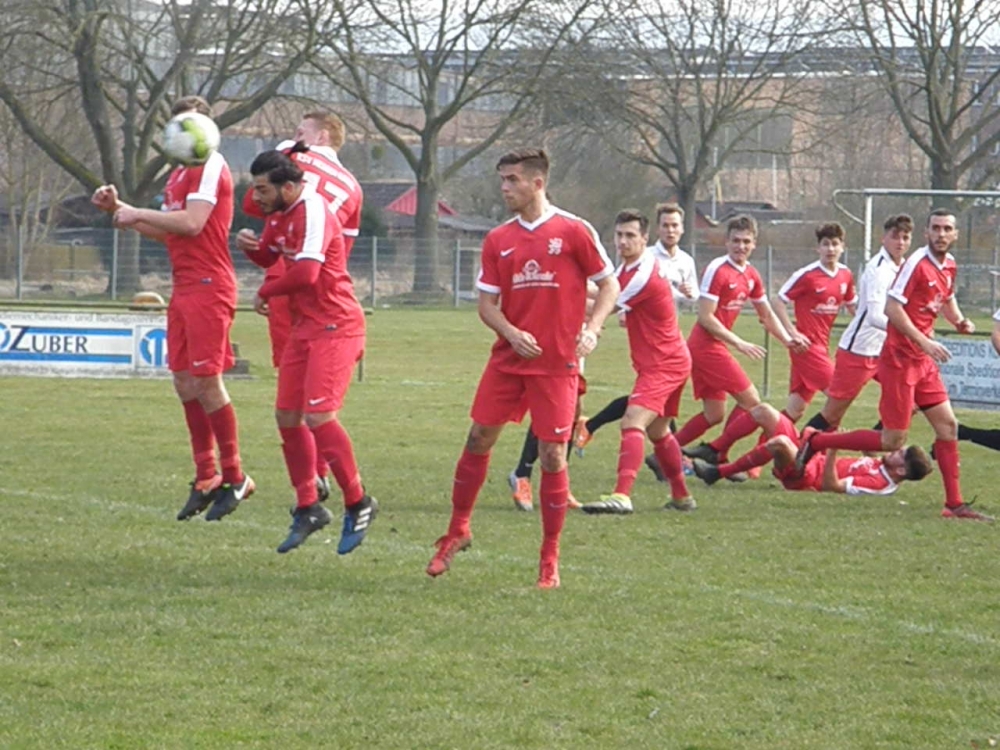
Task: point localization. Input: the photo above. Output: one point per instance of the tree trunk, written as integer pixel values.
(425, 265)
(686, 197)
(943, 177)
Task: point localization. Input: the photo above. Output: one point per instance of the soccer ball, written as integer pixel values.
(190, 138)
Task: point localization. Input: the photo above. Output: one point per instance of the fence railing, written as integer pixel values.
(106, 264)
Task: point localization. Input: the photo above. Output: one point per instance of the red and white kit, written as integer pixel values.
(863, 476)
(817, 294)
(660, 355)
(714, 370)
(908, 376)
(324, 173)
(203, 301)
(540, 271)
(328, 324)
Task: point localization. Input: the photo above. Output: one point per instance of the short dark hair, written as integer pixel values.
(534, 159)
(668, 208)
(632, 214)
(940, 212)
(829, 231)
(918, 464)
(899, 223)
(741, 223)
(192, 103)
(278, 166)
(332, 124)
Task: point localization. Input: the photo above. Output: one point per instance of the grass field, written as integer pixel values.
(765, 619)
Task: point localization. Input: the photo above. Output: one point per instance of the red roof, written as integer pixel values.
(406, 204)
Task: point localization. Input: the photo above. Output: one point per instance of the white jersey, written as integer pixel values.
(866, 332)
(679, 268)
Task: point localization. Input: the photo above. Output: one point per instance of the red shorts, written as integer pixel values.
(505, 397)
(714, 373)
(811, 478)
(811, 372)
(659, 391)
(279, 326)
(581, 387)
(851, 374)
(918, 383)
(314, 374)
(198, 333)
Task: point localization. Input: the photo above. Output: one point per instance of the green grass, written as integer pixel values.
(766, 619)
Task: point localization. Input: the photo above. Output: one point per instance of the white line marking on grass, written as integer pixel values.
(422, 383)
(860, 614)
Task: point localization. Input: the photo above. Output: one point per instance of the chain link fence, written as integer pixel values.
(96, 265)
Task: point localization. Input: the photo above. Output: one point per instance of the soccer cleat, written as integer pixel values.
(615, 504)
(520, 488)
(654, 466)
(304, 522)
(705, 471)
(203, 494)
(230, 496)
(704, 451)
(806, 451)
(966, 512)
(683, 504)
(548, 574)
(357, 519)
(572, 503)
(583, 436)
(739, 476)
(448, 547)
(322, 488)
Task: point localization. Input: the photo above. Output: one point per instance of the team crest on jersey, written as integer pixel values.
(533, 275)
(843, 289)
(555, 246)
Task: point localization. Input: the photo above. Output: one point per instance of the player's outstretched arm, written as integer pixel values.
(187, 222)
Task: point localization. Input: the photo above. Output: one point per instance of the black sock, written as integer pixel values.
(529, 454)
(610, 413)
(878, 425)
(985, 438)
(819, 422)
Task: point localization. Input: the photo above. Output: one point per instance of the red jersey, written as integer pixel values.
(307, 230)
(922, 286)
(540, 271)
(863, 476)
(730, 287)
(202, 261)
(654, 338)
(335, 184)
(818, 295)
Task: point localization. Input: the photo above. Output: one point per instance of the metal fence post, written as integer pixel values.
(768, 269)
(993, 278)
(458, 270)
(19, 281)
(114, 264)
(374, 267)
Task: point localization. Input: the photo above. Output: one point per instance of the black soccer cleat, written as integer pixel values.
(704, 451)
(708, 473)
(357, 519)
(203, 494)
(305, 521)
(654, 466)
(230, 496)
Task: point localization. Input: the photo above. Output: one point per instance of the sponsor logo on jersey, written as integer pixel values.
(533, 275)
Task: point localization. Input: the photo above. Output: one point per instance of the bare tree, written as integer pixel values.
(682, 86)
(121, 63)
(936, 63)
(415, 67)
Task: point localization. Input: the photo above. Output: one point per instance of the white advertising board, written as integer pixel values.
(83, 344)
(972, 375)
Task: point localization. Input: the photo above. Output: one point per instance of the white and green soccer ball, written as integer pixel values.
(190, 138)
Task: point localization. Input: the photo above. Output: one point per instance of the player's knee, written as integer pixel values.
(480, 439)
(316, 420)
(893, 440)
(552, 457)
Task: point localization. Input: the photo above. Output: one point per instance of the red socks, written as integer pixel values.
(470, 474)
(334, 444)
(630, 455)
(554, 496)
(738, 426)
(946, 453)
(759, 455)
(202, 439)
(299, 448)
(694, 428)
(668, 454)
(863, 441)
(224, 426)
